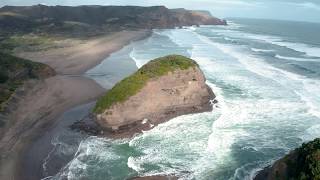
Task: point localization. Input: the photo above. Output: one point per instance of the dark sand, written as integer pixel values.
(45, 152)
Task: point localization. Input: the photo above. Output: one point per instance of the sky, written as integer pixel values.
(296, 10)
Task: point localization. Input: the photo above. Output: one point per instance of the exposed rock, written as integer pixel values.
(178, 91)
(302, 163)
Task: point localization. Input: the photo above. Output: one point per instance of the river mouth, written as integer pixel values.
(268, 105)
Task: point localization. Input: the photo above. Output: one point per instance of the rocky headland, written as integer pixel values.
(162, 89)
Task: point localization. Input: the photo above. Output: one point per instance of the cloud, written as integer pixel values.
(310, 5)
(230, 3)
(307, 5)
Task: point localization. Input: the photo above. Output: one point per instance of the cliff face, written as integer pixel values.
(177, 92)
(57, 18)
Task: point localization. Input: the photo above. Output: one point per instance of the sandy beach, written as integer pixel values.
(42, 102)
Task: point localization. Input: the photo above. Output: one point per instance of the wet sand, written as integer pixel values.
(42, 102)
(48, 154)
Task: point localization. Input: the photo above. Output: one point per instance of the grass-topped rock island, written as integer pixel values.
(160, 90)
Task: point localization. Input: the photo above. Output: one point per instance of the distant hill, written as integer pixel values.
(99, 18)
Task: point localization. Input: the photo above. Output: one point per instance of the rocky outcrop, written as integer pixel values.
(99, 18)
(303, 163)
(181, 90)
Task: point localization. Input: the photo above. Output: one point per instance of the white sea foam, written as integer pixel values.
(97, 148)
(223, 135)
(259, 67)
(311, 97)
(231, 116)
(307, 49)
(311, 133)
(228, 39)
(299, 47)
(297, 59)
(228, 118)
(46, 161)
(133, 164)
(251, 62)
(139, 62)
(161, 149)
(301, 85)
(261, 50)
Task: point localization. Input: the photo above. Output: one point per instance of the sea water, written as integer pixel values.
(266, 75)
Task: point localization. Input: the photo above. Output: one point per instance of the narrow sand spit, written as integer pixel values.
(43, 101)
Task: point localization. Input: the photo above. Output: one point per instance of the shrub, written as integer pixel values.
(307, 165)
(3, 77)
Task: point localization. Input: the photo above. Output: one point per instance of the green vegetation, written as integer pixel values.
(14, 71)
(132, 84)
(29, 42)
(11, 14)
(307, 164)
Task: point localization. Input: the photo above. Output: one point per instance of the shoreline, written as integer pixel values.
(51, 97)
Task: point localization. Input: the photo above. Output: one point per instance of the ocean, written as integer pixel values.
(266, 76)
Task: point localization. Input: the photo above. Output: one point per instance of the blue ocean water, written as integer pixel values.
(266, 75)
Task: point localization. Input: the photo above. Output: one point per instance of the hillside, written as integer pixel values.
(97, 19)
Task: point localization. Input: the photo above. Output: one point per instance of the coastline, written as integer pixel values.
(251, 137)
(44, 101)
